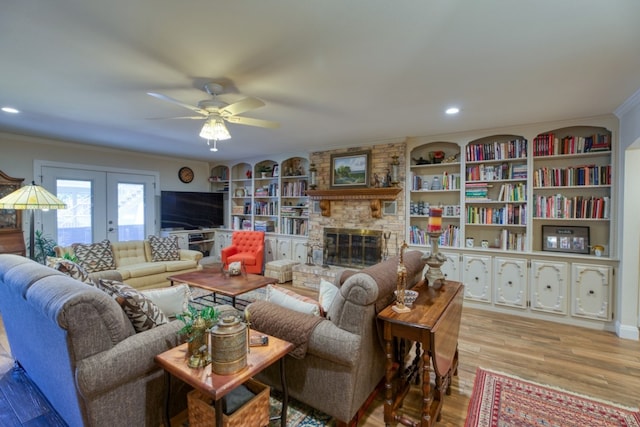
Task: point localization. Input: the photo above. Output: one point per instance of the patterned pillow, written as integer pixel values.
(73, 270)
(96, 256)
(164, 248)
(142, 312)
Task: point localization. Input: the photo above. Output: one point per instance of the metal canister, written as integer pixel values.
(228, 343)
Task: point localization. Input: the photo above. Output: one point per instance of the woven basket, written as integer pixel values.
(255, 412)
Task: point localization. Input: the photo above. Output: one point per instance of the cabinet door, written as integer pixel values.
(549, 286)
(299, 250)
(222, 240)
(591, 291)
(284, 248)
(451, 267)
(270, 250)
(477, 277)
(510, 279)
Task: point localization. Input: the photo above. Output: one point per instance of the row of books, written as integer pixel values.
(572, 176)
(551, 145)
(450, 236)
(559, 206)
(510, 192)
(476, 190)
(513, 149)
(294, 188)
(510, 214)
(293, 211)
(484, 172)
(270, 190)
(265, 208)
(266, 226)
(513, 241)
(295, 226)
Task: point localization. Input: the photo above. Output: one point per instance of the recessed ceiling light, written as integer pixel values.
(452, 110)
(10, 110)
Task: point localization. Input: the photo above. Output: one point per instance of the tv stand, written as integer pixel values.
(200, 239)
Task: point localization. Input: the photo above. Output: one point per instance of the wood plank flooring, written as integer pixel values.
(594, 363)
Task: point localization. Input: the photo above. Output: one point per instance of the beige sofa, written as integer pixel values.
(134, 265)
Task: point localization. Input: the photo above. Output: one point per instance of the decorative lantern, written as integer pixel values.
(313, 176)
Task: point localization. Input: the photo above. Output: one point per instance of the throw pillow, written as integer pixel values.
(164, 248)
(289, 299)
(172, 300)
(140, 310)
(73, 270)
(327, 295)
(95, 256)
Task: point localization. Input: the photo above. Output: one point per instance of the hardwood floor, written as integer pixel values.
(593, 363)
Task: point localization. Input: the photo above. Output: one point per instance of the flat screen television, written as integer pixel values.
(191, 210)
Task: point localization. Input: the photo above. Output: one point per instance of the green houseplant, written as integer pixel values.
(196, 323)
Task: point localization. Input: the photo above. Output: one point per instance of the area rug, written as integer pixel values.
(500, 400)
(298, 414)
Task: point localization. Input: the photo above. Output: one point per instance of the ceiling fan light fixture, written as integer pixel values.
(215, 145)
(215, 129)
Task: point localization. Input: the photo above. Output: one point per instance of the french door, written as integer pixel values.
(100, 205)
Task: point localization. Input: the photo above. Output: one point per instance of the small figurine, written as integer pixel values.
(376, 181)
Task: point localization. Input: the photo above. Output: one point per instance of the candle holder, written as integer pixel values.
(401, 284)
(313, 175)
(434, 277)
(395, 171)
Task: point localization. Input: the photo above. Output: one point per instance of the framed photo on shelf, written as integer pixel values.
(351, 169)
(569, 239)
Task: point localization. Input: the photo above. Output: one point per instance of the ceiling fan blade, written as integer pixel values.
(252, 122)
(181, 117)
(182, 104)
(241, 106)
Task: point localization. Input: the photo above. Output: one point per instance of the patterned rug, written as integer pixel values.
(298, 414)
(499, 400)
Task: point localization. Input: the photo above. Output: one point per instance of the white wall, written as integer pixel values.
(19, 153)
(628, 299)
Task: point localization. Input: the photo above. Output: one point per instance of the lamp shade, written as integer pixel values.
(215, 129)
(31, 196)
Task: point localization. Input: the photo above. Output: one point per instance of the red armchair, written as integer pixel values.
(247, 247)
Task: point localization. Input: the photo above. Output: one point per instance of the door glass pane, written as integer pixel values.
(75, 222)
(130, 212)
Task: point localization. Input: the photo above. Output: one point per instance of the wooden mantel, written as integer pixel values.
(374, 195)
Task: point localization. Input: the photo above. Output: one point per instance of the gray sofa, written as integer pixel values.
(75, 342)
(345, 359)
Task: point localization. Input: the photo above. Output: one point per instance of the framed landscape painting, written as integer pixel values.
(351, 170)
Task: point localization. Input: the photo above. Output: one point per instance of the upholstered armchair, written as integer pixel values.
(247, 247)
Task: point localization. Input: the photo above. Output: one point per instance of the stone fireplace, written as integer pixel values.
(351, 247)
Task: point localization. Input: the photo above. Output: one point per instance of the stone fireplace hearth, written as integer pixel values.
(351, 247)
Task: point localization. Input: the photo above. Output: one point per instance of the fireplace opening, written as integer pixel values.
(352, 247)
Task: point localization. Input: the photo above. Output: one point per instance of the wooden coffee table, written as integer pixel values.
(221, 283)
(174, 362)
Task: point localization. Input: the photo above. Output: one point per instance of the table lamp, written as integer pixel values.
(31, 197)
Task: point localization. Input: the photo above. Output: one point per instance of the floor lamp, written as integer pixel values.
(31, 197)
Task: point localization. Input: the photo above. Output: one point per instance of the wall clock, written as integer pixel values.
(185, 174)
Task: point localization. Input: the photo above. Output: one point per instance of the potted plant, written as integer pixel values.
(43, 247)
(264, 169)
(196, 323)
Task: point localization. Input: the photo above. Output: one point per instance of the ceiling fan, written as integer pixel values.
(216, 112)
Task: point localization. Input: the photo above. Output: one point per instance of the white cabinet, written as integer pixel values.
(270, 248)
(299, 250)
(549, 286)
(591, 291)
(200, 240)
(510, 280)
(451, 267)
(477, 277)
(283, 246)
(222, 240)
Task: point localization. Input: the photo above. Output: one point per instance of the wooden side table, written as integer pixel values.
(174, 362)
(433, 323)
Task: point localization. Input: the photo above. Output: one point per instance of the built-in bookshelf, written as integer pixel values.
(294, 207)
(572, 182)
(495, 194)
(435, 181)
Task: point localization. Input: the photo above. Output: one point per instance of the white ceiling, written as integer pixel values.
(331, 72)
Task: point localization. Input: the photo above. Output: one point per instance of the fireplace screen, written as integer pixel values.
(348, 247)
